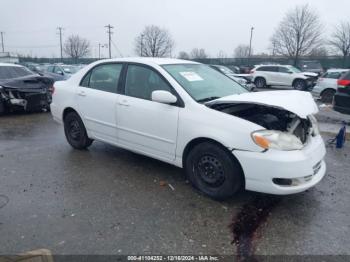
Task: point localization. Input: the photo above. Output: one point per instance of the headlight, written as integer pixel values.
(314, 124)
(271, 139)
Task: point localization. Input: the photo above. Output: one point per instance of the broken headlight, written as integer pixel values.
(314, 124)
(273, 139)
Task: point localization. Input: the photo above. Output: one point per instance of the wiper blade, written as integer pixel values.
(203, 100)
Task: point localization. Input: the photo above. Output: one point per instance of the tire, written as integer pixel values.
(75, 131)
(260, 82)
(214, 171)
(299, 84)
(327, 96)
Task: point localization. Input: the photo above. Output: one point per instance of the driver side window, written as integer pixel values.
(142, 81)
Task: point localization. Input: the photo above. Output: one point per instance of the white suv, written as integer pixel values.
(190, 115)
(282, 75)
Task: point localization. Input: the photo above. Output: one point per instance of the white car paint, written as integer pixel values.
(163, 131)
(280, 78)
(327, 81)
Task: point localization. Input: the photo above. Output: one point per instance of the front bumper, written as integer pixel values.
(306, 165)
(316, 91)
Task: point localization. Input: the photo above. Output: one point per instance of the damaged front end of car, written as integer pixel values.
(287, 122)
(29, 94)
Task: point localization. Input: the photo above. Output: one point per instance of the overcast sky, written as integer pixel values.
(30, 25)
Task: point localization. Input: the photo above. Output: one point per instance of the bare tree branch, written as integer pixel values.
(197, 53)
(76, 47)
(297, 34)
(154, 41)
(340, 39)
(241, 51)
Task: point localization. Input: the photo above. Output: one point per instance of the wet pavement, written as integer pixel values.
(107, 200)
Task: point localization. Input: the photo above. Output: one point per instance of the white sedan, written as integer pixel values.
(189, 115)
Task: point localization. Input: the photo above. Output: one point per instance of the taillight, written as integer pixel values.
(342, 83)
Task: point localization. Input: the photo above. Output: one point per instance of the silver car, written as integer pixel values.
(326, 85)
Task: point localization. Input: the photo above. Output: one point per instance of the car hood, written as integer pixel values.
(309, 74)
(298, 102)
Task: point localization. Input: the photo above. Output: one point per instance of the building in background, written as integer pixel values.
(7, 57)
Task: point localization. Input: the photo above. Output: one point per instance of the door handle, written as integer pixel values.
(82, 93)
(123, 103)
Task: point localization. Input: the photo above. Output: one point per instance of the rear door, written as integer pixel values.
(97, 98)
(284, 76)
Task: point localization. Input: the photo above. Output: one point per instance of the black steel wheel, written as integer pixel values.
(75, 131)
(213, 170)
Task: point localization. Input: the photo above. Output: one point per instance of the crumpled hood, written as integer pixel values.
(298, 102)
(309, 74)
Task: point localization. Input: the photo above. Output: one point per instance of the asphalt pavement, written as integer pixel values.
(107, 200)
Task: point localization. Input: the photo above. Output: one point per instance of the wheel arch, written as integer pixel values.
(191, 144)
(326, 89)
(68, 110)
(298, 79)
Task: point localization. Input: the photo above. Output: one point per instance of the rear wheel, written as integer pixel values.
(214, 171)
(327, 96)
(299, 84)
(260, 82)
(75, 131)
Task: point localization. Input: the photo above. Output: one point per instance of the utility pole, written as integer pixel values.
(2, 41)
(109, 32)
(60, 32)
(142, 35)
(250, 44)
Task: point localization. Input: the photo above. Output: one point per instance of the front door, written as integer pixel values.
(97, 100)
(144, 125)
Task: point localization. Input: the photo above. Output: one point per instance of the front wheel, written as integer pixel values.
(260, 82)
(299, 85)
(214, 171)
(75, 131)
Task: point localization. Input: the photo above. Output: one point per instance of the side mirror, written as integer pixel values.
(164, 97)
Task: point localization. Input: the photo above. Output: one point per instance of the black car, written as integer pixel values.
(22, 89)
(341, 102)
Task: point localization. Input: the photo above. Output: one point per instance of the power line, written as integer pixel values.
(60, 32)
(109, 32)
(120, 53)
(2, 41)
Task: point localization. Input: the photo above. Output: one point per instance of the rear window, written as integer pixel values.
(9, 72)
(346, 76)
(333, 75)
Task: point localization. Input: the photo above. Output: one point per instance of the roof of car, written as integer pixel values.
(9, 64)
(338, 70)
(151, 60)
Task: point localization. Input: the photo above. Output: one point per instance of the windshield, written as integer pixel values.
(70, 69)
(202, 82)
(225, 70)
(294, 69)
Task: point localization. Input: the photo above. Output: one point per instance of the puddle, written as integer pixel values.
(247, 221)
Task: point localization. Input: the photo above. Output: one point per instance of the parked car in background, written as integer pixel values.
(22, 89)
(327, 84)
(310, 66)
(64, 70)
(42, 70)
(228, 72)
(282, 75)
(342, 96)
(190, 115)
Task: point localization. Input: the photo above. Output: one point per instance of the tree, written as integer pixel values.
(340, 39)
(154, 41)
(197, 53)
(298, 33)
(241, 51)
(76, 47)
(222, 56)
(183, 55)
(319, 51)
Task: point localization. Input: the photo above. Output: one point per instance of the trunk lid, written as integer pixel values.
(298, 102)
